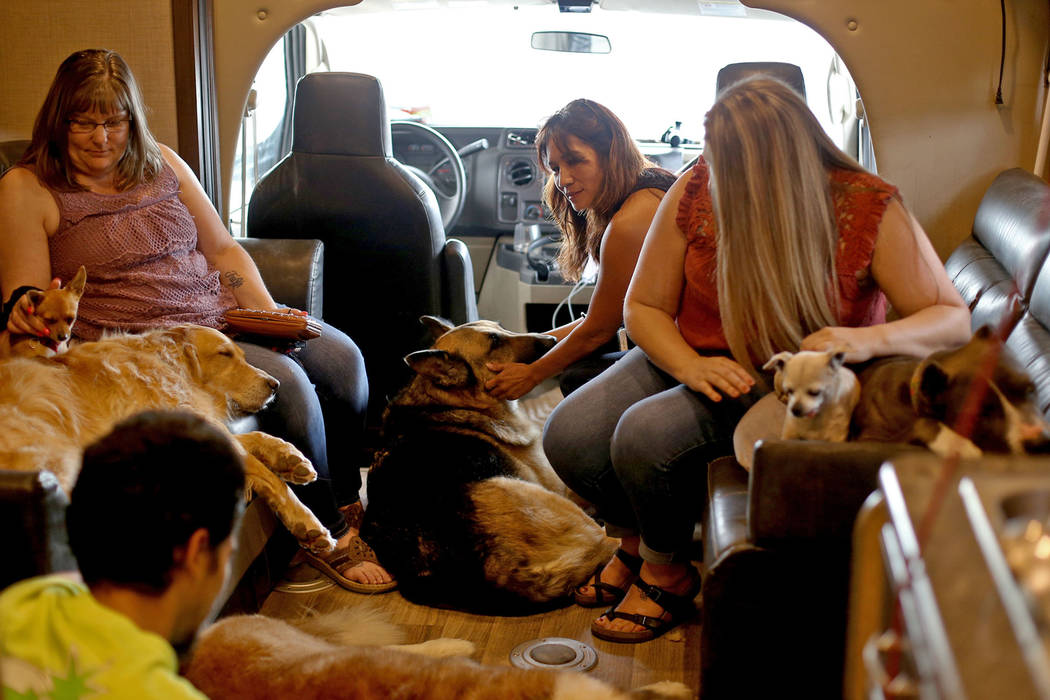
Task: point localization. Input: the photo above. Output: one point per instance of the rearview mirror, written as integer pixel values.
(574, 42)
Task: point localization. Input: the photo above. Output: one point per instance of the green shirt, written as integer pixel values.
(57, 642)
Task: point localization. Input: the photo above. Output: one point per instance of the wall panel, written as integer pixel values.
(36, 35)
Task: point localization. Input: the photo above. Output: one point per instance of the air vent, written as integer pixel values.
(520, 173)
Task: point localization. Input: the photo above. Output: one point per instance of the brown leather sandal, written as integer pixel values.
(355, 552)
(680, 606)
(606, 593)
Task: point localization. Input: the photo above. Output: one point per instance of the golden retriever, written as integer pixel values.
(50, 410)
(349, 654)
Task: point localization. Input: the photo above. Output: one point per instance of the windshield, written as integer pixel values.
(475, 65)
(472, 63)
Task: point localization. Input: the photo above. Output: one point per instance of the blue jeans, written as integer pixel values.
(636, 443)
(320, 408)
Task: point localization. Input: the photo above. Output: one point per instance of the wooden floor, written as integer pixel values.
(675, 656)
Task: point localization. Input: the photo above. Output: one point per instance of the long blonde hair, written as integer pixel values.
(769, 161)
(620, 161)
(92, 79)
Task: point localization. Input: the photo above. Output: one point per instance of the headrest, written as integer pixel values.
(340, 114)
(785, 72)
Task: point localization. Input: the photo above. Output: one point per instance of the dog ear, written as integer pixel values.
(778, 361)
(929, 389)
(443, 368)
(76, 285)
(35, 297)
(437, 326)
(193, 363)
(836, 359)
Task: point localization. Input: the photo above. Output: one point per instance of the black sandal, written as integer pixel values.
(606, 593)
(681, 607)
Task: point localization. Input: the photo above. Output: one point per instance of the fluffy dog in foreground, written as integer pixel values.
(917, 401)
(348, 654)
(57, 308)
(820, 393)
(50, 410)
(463, 507)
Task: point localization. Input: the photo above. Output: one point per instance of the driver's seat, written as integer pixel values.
(386, 258)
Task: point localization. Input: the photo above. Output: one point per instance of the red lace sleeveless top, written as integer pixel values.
(859, 199)
(140, 251)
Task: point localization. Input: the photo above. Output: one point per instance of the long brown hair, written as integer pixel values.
(769, 161)
(620, 161)
(92, 79)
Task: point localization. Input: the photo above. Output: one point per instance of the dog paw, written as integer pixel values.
(279, 456)
(317, 541)
(440, 648)
(294, 469)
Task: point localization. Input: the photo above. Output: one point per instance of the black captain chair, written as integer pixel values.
(735, 72)
(387, 261)
(785, 72)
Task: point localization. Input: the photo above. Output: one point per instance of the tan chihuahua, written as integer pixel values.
(57, 308)
(820, 393)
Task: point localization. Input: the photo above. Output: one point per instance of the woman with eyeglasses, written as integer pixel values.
(602, 193)
(95, 188)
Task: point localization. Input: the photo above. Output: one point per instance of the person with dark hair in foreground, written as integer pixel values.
(151, 523)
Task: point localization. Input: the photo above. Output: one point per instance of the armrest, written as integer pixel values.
(292, 270)
(460, 304)
(806, 490)
(11, 152)
(33, 516)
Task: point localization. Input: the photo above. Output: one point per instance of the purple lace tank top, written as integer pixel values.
(140, 251)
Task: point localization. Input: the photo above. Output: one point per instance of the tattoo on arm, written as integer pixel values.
(232, 279)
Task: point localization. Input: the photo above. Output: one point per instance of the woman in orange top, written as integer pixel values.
(775, 240)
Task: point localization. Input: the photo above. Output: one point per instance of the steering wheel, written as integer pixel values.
(450, 203)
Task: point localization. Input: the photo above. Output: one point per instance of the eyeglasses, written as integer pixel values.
(85, 126)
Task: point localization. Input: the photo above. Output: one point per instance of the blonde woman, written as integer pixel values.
(776, 240)
(602, 193)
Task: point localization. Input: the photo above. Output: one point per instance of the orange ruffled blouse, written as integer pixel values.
(859, 199)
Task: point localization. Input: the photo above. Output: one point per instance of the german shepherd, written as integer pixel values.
(463, 507)
(919, 401)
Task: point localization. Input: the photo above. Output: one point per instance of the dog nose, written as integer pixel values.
(798, 411)
(1037, 445)
(273, 384)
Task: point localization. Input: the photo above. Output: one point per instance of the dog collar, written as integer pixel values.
(913, 386)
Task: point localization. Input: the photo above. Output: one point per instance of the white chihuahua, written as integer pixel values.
(820, 393)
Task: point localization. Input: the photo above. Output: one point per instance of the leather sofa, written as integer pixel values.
(32, 506)
(777, 540)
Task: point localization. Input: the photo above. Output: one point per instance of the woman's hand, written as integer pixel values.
(512, 381)
(23, 319)
(839, 338)
(291, 311)
(711, 375)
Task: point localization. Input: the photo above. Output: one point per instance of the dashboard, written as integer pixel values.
(504, 181)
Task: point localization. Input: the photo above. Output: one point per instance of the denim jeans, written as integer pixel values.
(320, 408)
(636, 443)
